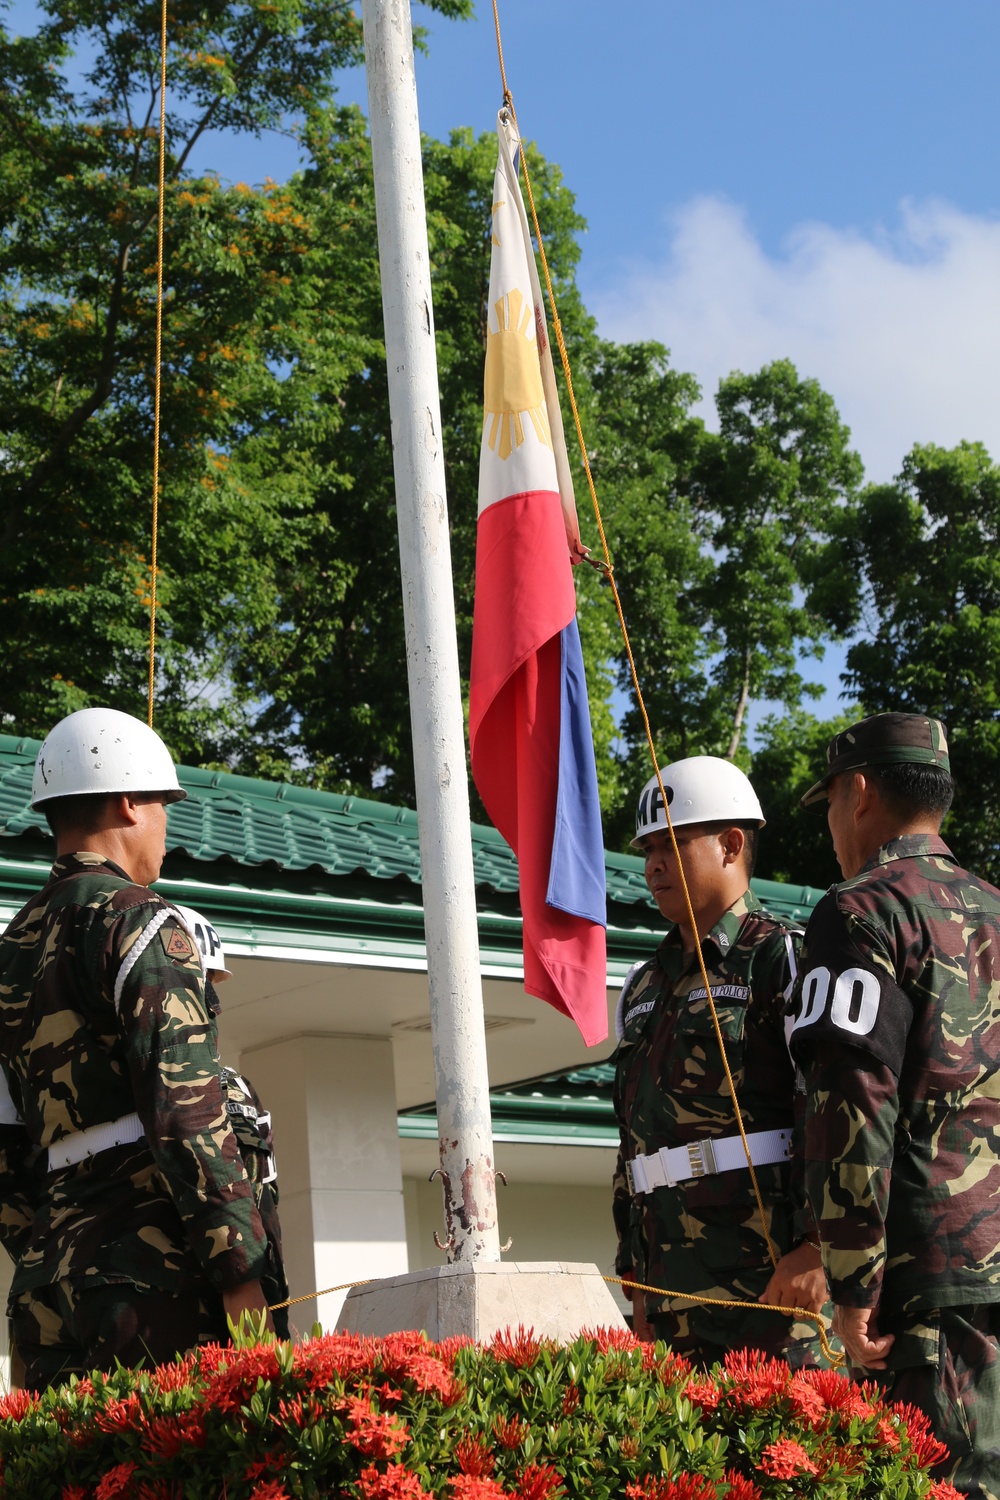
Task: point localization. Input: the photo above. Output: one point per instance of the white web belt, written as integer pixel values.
(675, 1164)
(75, 1148)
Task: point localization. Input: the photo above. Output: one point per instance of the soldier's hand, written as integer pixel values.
(857, 1329)
(798, 1280)
(247, 1297)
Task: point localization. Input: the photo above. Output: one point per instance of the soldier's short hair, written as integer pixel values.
(913, 791)
(751, 835)
(85, 812)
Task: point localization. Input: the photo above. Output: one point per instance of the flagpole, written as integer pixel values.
(458, 1033)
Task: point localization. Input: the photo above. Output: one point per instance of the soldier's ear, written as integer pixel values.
(733, 843)
(865, 793)
(126, 808)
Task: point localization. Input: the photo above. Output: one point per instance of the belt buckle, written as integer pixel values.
(701, 1155)
(664, 1157)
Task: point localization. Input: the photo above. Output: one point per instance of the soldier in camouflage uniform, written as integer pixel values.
(143, 1230)
(251, 1123)
(896, 1019)
(684, 1203)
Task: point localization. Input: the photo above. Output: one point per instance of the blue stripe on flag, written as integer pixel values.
(576, 872)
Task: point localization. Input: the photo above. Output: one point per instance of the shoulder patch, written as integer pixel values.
(176, 943)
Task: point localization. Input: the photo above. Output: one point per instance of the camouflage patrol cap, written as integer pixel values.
(882, 740)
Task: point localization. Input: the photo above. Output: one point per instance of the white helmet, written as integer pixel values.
(701, 789)
(101, 750)
(206, 940)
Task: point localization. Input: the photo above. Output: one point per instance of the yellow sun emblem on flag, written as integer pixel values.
(513, 385)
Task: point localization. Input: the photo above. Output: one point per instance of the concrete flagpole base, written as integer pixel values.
(555, 1298)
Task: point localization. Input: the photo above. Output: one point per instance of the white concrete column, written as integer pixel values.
(333, 1103)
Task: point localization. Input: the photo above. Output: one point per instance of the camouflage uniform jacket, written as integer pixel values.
(102, 1014)
(706, 1234)
(251, 1124)
(896, 1016)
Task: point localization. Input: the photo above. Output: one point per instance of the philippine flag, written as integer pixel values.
(529, 720)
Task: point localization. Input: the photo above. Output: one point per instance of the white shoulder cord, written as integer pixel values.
(138, 948)
(786, 993)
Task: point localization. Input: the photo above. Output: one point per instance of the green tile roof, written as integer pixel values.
(571, 1108)
(239, 822)
(236, 818)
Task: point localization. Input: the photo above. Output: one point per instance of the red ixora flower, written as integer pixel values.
(519, 1349)
(753, 1379)
(918, 1425)
(806, 1401)
(269, 1489)
(539, 1482)
(117, 1481)
(397, 1483)
(73, 1492)
(942, 1490)
(704, 1392)
(474, 1457)
(430, 1374)
(510, 1432)
(740, 1488)
(839, 1393)
(168, 1436)
(15, 1405)
(610, 1338)
(373, 1433)
(475, 1487)
(678, 1487)
(786, 1458)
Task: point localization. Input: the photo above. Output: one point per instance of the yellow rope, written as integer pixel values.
(156, 371)
(801, 1313)
(609, 571)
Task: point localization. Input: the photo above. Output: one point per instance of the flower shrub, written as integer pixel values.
(400, 1418)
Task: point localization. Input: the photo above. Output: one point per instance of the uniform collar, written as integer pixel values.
(85, 863)
(723, 935)
(909, 846)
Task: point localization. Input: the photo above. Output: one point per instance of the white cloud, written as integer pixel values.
(901, 327)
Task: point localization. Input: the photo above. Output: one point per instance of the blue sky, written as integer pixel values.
(761, 179)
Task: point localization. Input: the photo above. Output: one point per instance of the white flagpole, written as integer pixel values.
(456, 1003)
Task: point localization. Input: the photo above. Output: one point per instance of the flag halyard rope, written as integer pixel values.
(607, 568)
(802, 1313)
(157, 360)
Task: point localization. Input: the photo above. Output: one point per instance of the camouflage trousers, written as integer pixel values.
(946, 1361)
(63, 1330)
(705, 1335)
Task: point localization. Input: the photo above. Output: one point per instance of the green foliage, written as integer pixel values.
(400, 1418)
(789, 756)
(263, 327)
(729, 554)
(928, 548)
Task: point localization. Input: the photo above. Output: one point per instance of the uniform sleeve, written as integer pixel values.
(850, 1022)
(173, 1065)
(21, 1176)
(621, 1197)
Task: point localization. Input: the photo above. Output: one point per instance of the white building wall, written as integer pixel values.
(333, 1101)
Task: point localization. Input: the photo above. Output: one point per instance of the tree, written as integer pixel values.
(788, 758)
(928, 547)
(256, 354)
(729, 552)
(335, 682)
